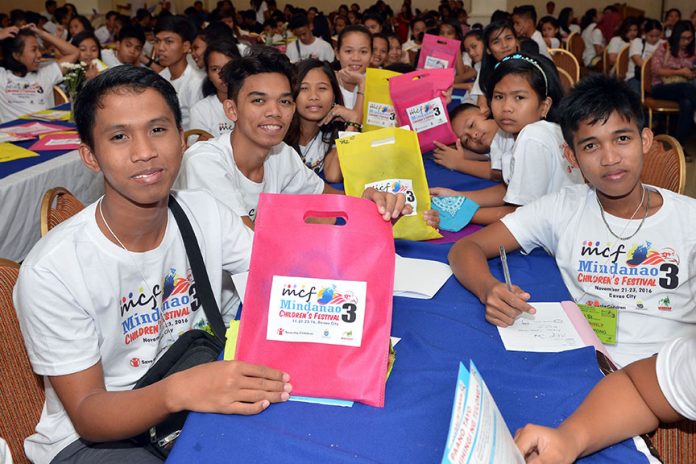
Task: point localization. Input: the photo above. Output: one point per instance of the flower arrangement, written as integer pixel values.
(73, 77)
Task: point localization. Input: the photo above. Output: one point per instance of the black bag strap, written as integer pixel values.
(200, 275)
(299, 53)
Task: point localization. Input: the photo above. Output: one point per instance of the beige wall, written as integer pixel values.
(651, 7)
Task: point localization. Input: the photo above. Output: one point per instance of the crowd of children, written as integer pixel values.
(270, 90)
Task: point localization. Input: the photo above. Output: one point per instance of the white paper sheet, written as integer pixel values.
(549, 330)
(240, 283)
(419, 278)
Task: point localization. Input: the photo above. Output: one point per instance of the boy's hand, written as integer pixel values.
(10, 31)
(228, 387)
(503, 306)
(542, 445)
(390, 206)
(447, 156)
(432, 218)
(444, 192)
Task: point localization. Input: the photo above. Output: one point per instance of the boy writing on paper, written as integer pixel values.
(618, 243)
(236, 168)
(101, 297)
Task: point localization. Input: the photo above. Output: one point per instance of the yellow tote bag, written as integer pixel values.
(378, 110)
(389, 160)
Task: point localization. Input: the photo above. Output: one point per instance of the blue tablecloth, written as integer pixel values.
(412, 427)
(10, 167)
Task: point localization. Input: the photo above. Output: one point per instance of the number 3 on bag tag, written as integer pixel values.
(319, 296)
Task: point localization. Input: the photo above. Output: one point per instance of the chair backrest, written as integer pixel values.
(59, 97)
(565, 60)
(664, 165)
(66, 205)
(576, 45)
(621, 65)
(603, 65)
(676, 443)
(566, 81)
(201, 136)
(21, 391)
(646, 78)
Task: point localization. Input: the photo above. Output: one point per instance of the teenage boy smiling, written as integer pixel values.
(618, 243)
(237, 168)
(82, 284)
(173, 38)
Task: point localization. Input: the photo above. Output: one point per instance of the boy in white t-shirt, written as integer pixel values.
(524, 18)
(306, 45)
(102, 296)
(629, 402)
(129, 47)
(619, 244)
(236, 168)
(173, 38)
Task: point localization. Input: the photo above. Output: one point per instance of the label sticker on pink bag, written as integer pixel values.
(316, 311)
(395, 186)
(427, 115)
(432, 62)
(380, 114)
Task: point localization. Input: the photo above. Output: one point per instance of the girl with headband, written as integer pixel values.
(523, 93)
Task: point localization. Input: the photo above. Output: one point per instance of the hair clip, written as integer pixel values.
(533, 62)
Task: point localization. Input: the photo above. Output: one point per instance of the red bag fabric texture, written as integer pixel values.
(318, 301)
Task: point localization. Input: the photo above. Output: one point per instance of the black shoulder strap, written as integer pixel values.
(299, 53)
(200, 275)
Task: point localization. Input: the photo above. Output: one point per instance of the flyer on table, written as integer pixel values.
(478, 433)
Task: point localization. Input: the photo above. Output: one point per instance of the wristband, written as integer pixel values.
(356, 125)
(149, 61)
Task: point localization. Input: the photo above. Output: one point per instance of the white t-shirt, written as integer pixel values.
(676, 375)
(501, 149)
(555, 43)
(103, 35)
(349, 97)
(649, 278)
(539, 39)
(209, 115)
(109, 57)
(470, 97)
(189, 89)
(263, 7)
(537, 165)
(319, 49)
(81, 299)
(592, 36)
(640, 48)
(616, 44)
(314, 152)
(210, 166)
(33, 92)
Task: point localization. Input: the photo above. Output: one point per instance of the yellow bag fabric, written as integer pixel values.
(378, 110)
(389, 160)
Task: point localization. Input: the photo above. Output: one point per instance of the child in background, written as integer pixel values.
(640, 49)
(592, 35)
(472, 57)
(25, 85)
(413, 44)
(173, 37)
(463, 73)
(548, 26)
(214, 31)
(380, 50)
(640, 396)
(129, 48)
(524, 96)
(306, 45)
(209, 114)
(90, 53)
(354, 52)
(319, 115)
(622, 38)
(396, 53)
(480, 145)
(525, 19)
(500, 40)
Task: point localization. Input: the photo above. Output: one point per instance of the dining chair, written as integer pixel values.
(621, 66)
(563, 59)
(202, 136)
(664, 165)
(59, 96)
(665, 107)
(66, 205)
(22, 391)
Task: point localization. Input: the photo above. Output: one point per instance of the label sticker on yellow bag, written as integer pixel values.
(316, 311)
(603, 322)
(380, 114)
(395, 186)
(427, 115)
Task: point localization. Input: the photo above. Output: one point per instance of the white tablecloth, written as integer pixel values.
(21, 194)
